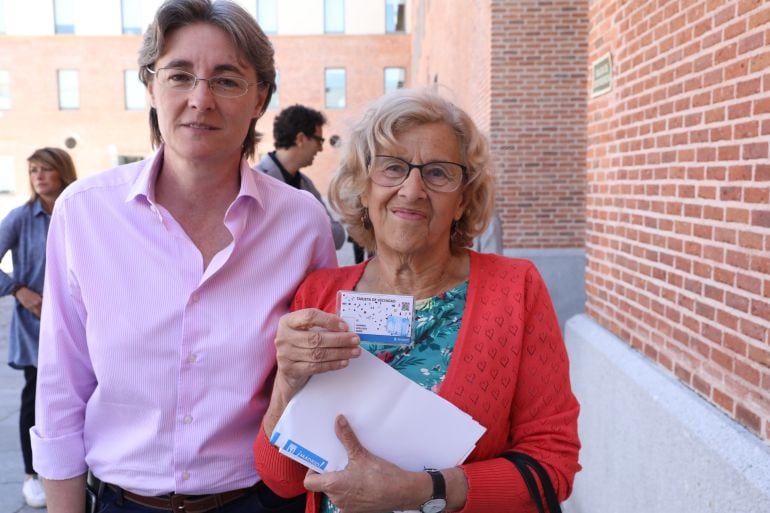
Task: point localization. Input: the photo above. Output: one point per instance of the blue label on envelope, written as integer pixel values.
(275, 436)
(384, 339)
(305, 455)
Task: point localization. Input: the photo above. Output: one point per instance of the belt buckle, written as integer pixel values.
(177, 503)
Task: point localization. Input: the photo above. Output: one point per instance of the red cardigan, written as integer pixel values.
(509, 370)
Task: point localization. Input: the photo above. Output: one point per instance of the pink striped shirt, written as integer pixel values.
(153, 372)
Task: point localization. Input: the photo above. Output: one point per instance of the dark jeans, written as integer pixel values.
(262, 500)
(27, 416)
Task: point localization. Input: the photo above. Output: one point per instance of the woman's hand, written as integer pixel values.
(30, 300)
(310, 342)
(307, 342)
(369, 484)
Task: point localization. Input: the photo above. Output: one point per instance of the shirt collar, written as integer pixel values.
(249, 186)
(144, 185)
(37, 208)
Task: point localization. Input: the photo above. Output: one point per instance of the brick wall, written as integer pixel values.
(678, 214)
(538, 107)
(519, 67)
(102, 125)
(451, 41)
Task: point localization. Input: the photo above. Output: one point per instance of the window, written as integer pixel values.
(131, 15)
(335, 88)
(394, 79)
(2, 16)
(127, 159)
(334, 16)
(133, 90)
(69, 90)
(267, 15)
(274, 100)
(64, 16)
(7, 174)
(395, 16)
(5, 90)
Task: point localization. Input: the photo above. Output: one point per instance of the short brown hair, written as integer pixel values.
(379, 129)
(58, 159)
(246, 36)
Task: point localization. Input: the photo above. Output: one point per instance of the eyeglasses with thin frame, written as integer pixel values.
(226, 86)
(318, 138)
(438, 176)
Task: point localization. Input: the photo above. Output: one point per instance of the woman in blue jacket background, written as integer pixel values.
(23, 232)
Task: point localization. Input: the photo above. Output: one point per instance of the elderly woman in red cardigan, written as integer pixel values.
(414, 187)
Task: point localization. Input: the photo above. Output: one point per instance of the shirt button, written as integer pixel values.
(192, 358)
(195, 298)
(187, 419)
(185, 475)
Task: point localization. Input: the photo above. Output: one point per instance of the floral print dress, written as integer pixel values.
(436, 324)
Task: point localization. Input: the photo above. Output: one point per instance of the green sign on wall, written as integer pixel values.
(602, 75)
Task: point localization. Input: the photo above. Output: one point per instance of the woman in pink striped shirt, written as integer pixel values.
(165, 282)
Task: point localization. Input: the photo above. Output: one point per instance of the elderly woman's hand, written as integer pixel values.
(307, 342)
(368, 483)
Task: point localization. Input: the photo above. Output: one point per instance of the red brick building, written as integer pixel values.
(635, 135)
(98, 45)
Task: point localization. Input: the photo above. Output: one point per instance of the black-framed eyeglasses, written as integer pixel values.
(318, 138)
(226, 86)
(438, 176)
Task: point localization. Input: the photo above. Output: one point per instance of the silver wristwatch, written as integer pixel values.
(437, 503)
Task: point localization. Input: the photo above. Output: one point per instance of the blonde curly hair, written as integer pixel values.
(379, 129)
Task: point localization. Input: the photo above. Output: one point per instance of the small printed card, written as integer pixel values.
(378, 318)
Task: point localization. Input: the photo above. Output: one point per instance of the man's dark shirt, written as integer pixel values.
(292, 179)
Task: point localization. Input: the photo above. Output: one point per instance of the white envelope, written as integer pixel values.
(393, 417)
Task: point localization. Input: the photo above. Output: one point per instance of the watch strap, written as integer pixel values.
(439, 485)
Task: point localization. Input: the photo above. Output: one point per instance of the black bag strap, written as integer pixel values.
(529, 479)
(525, 464)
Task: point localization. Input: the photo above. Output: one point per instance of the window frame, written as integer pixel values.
(260, 21)
(131, 80)
(400, 5)
(7, 174)
(334, 30)
(385, 78)
(137, 4)
(60, 90)
(3, 29)
(275, 100)
(60, 28)
(344, 88)
(7, 86)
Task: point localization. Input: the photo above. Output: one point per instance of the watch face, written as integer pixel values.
(433, 506)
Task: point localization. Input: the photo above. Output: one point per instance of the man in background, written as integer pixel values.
(298, 137)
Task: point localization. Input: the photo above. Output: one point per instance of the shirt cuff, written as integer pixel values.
(58, 458)
(281, 474)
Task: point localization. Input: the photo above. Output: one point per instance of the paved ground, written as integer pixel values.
(11, 381)
(11, 466)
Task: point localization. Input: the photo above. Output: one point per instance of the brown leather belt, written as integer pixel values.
(179, 503)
